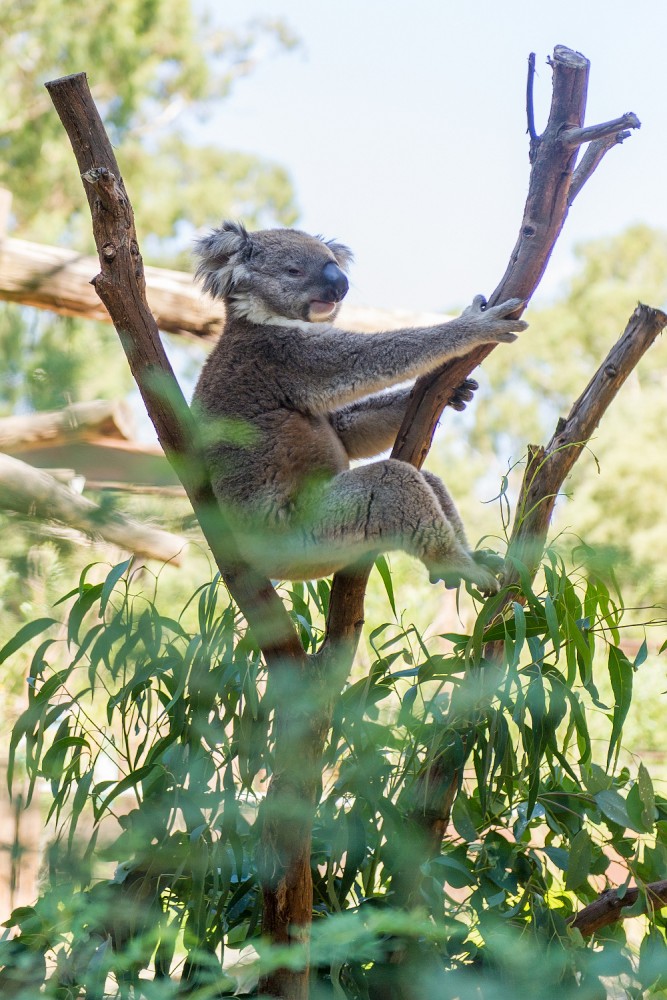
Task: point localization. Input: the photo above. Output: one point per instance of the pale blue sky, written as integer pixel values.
(402, 125)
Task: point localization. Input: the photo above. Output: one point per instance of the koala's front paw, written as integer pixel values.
(495, 324)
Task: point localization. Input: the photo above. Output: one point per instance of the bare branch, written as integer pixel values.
(545, 212)
(591, 160)
(545, 473)
(36, 494)
(548, 467)
(578, 136)
(610, 907)
(121, 286)
(530, 106)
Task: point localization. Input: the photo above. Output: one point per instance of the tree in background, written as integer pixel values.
(152, 60)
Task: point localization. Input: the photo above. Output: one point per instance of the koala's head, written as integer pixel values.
(273, 275)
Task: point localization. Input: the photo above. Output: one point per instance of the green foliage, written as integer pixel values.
(155, 736)
(146, 61)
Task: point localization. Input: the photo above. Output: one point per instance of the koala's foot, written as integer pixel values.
(495, 323)
(472, 572)
(463, 394)
(490, 559)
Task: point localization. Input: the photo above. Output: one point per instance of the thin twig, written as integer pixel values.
(578, 136)
(530, 108)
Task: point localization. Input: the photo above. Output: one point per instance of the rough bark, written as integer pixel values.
(39, 495)
(610, 907)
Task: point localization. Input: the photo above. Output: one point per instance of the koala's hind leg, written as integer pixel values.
(391, 505)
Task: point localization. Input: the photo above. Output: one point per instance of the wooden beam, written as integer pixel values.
(36, 494)
(46, 277)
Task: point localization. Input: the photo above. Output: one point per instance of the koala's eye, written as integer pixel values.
(296, 272)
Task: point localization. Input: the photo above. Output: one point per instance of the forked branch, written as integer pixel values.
(547, 204)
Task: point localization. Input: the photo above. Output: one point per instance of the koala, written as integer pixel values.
(286, 400)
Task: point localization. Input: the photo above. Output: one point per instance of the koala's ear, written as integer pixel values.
(220, 252)
(343, 254)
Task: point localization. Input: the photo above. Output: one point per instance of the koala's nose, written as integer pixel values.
(336, 280)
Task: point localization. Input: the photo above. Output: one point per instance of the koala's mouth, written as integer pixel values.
(319, 310)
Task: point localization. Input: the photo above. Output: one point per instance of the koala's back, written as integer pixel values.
(277, 449)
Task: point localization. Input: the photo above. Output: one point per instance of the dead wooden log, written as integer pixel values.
(36, 494)
(46, 277)
(79, 421)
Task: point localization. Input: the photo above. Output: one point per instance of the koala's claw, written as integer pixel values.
(463, 394)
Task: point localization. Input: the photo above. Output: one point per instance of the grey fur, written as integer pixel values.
(286, 400)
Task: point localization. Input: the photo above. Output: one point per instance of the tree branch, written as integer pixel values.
(610, 907)
(121, 286)
(286, 882)
(548, 467)
(592, 133)
(591, 160)
(36, 494)
(530, 107)
(545, 473)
